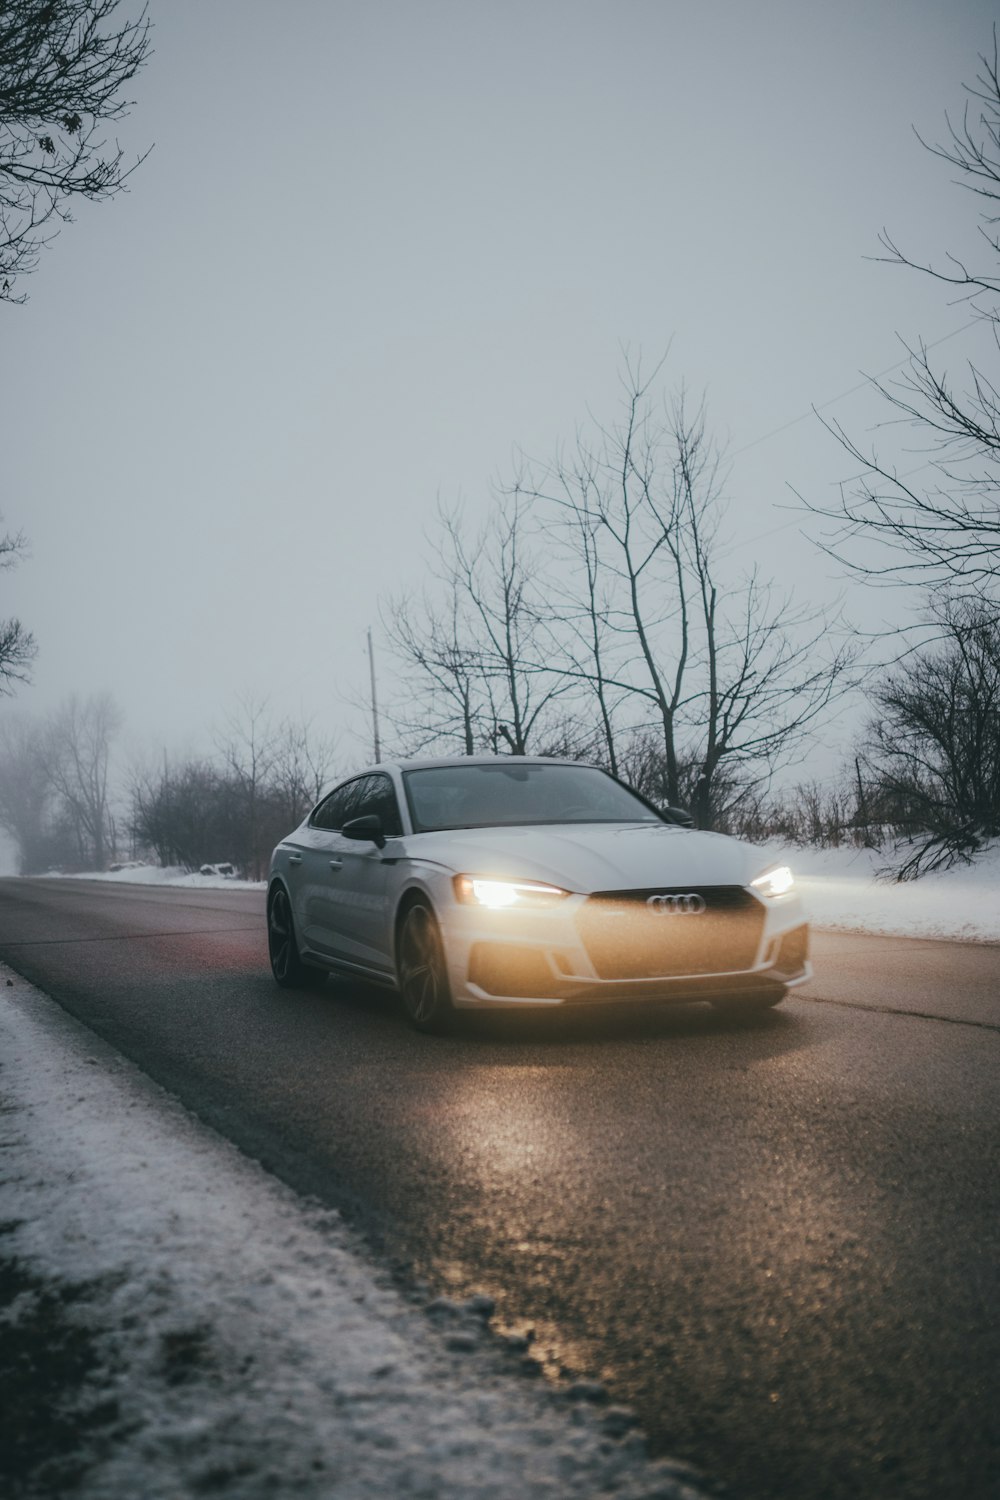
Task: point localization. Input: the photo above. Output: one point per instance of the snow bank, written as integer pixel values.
(842, 889)
(249, 1347)
(161, 875)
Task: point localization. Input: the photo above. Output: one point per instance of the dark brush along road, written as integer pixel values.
(777, 1239)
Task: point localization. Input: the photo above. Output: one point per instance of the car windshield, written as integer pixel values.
(514, 793)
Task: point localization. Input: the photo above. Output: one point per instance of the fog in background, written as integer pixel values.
(379, 248)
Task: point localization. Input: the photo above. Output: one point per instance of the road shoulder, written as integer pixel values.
(206, 1330)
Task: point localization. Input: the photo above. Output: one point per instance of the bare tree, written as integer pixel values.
(78, 753)
(941, 531)
(17, 645)
(63, 66)
(497, 575)
(301, 765)
(580, 604)
(731, 674)
(439, 695)
(191, 813)
(476, 660)
(173, 811)
(25, 791)
(248, 745)
(194, 811)
(933, 750)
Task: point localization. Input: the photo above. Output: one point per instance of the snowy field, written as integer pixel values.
(842, 889)
(237, 1343)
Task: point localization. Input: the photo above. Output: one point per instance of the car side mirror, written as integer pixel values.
(678, 815)
(367, 828)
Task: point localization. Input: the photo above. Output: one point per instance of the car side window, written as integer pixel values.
(358, 798)
(332, 811)
(377, 795)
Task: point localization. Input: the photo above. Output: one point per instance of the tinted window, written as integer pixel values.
(515, 793)
(356, 799)
(331, 811)
(376, 795)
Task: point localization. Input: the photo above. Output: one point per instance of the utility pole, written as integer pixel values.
(371, 668)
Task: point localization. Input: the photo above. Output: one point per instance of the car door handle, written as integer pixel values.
(295, 859)
(336, 864)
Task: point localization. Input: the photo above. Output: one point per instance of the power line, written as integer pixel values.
(796, 520)
(854, 388)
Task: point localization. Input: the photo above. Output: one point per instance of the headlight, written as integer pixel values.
(479, 890)
(775, 882)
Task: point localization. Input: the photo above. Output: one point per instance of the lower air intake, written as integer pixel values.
(626, 938)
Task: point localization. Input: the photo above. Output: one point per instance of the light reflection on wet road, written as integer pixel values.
(777, 1239)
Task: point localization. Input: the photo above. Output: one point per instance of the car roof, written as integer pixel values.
(429, 762)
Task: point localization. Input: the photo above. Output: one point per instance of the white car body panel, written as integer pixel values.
(346, 896)
(594, 857)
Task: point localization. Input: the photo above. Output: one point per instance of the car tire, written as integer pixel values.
(752, 1004)
(421, 970)
(283, 950)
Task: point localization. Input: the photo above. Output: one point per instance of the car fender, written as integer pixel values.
(415, 885)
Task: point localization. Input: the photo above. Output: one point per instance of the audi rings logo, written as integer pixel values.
(689, 905)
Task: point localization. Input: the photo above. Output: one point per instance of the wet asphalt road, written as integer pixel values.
(776, 1239)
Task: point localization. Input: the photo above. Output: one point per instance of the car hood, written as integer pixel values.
(593, 856)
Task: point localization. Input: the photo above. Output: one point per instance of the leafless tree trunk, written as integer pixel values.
(439, 696)
(477, 658)
(496, 575)
(25, 791)
(594, 621)
(79, 749)
(248, 746)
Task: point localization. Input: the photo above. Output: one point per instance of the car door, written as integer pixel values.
(343, 881)
(359, 895)
(319, 847)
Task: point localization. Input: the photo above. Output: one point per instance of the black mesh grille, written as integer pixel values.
(626, 938)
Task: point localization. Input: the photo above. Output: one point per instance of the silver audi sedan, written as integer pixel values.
(511, 881)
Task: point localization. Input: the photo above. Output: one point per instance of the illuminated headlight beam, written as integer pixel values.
(498, 895)
(774, 882)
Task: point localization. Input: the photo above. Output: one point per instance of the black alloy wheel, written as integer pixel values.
(287, 967)
(423, 975)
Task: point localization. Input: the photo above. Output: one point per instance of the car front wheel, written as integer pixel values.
(287, 967)
(423, 975)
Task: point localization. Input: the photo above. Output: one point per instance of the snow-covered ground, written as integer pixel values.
(139, 874)
(842, 888)
(239, 1343)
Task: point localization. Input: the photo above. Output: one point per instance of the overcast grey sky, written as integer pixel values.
(379, 245)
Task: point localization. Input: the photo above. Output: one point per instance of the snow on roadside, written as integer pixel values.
(841, 889)
(250, 1348)
(160, 875)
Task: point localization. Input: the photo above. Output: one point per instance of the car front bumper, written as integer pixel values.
(503, 959)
